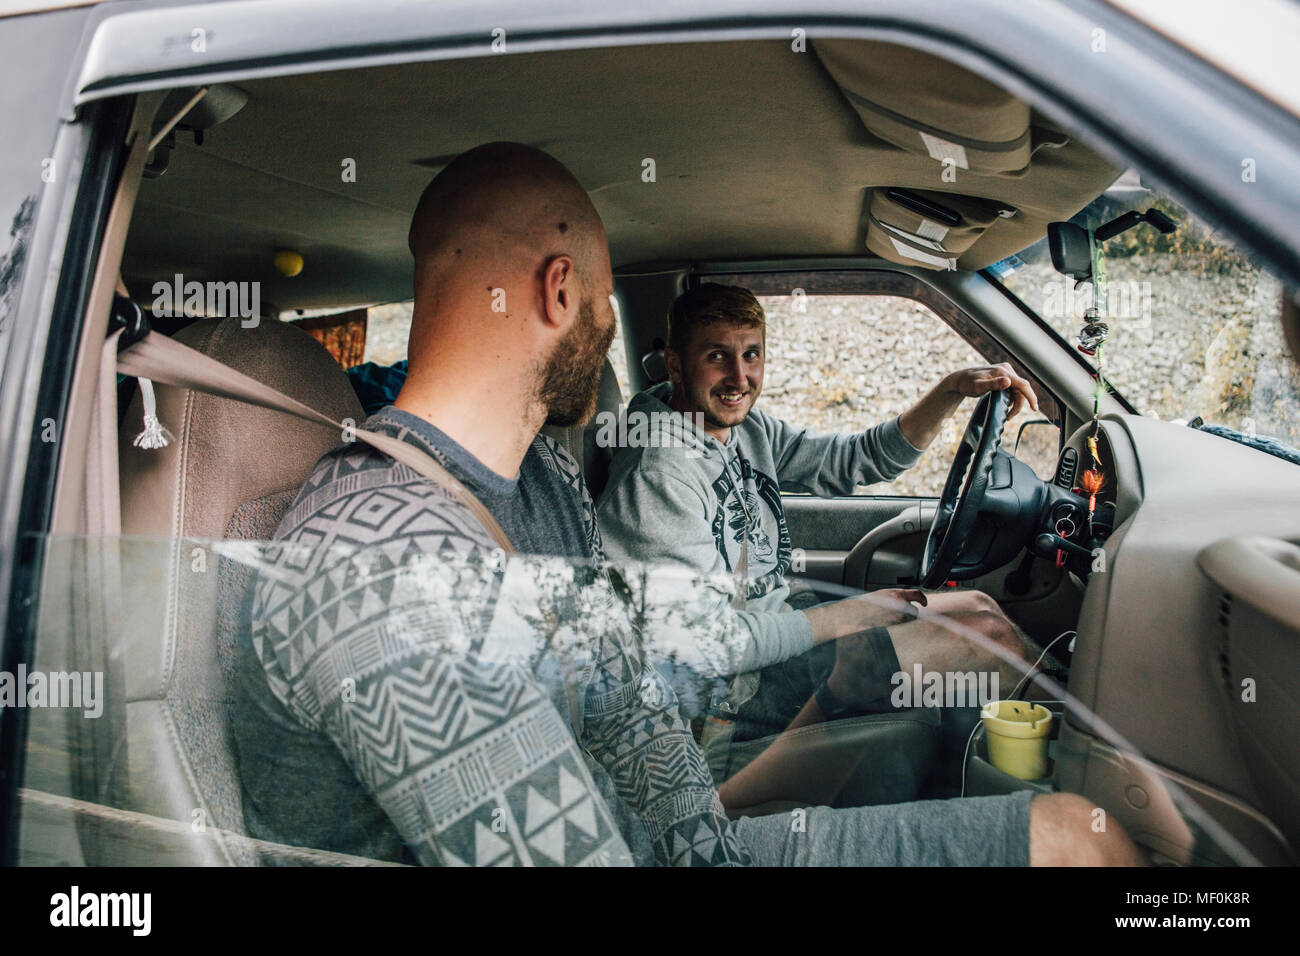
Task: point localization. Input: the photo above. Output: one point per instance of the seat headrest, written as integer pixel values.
(611, 394)
(654, 366)
(224, 453)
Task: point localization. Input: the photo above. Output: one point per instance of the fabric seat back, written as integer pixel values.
(231, 470)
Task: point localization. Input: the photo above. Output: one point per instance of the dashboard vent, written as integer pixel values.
(1066, 469)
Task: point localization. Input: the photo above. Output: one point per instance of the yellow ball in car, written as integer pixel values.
(288, 263)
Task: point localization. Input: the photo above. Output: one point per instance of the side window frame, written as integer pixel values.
(99, 150)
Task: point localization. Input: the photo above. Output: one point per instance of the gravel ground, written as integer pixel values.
(1183, 344)
(387, 327)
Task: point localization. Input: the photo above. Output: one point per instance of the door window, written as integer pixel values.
(841, 363)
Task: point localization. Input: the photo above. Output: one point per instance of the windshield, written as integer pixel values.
(1195, 327)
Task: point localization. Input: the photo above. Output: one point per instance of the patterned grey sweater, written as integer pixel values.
(406, 693)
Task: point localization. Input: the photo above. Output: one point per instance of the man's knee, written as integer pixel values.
(1066, 829)
(979, 601)
(995, 626)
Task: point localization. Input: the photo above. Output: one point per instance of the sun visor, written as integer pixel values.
(930, 107)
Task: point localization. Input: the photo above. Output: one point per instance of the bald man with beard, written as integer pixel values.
(404, 694)
(395, 700)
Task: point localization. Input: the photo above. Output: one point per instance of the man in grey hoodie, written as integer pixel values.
(700, 487)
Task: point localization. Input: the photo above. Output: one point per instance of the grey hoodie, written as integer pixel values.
(678, 496)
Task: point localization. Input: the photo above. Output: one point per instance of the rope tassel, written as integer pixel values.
(154, 434)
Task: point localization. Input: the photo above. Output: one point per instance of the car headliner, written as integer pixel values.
(757, 153)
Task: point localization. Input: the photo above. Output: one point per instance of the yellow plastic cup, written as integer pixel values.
(1016, 733)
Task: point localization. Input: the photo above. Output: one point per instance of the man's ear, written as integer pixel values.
(673, 362)
(561, 295)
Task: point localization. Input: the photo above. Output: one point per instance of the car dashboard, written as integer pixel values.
(1159, 732)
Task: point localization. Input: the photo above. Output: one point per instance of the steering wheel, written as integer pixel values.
(963, 492)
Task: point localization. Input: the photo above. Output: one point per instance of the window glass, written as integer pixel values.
(841, 363)
(388, 327)
(1195, 325)
(618, 351)
(172, 732)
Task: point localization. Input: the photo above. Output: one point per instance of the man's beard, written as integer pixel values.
(571, 379)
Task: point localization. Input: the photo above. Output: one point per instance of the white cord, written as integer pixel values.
(965, 754)
(1015, 694)
(155, 434)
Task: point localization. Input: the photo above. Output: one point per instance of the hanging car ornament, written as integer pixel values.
(1093, 479)
(1093, 333)
(1076, 253)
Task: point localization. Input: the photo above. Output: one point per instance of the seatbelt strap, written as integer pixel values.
(156, 357)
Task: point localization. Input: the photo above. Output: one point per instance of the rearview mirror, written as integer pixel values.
(1071, 249)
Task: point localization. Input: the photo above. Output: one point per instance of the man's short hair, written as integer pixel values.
(708, 303)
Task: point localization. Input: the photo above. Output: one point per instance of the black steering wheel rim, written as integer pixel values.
(963, 490)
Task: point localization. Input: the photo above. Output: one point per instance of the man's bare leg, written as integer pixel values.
(1063, 831)
(788, 769)
(960, 602)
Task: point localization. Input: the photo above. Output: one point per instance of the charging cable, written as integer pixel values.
(965, 754)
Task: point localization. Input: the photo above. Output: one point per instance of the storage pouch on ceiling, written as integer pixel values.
(929, 106)
(928, 229)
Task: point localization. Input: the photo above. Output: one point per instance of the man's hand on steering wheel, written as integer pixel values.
(974, 382)
(920, 424)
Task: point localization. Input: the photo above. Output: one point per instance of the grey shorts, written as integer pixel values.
(969, 831)
(784, 689)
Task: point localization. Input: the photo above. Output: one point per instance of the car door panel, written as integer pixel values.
(837, 524)
(823, 531)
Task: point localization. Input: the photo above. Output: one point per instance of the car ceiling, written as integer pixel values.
(757, 154)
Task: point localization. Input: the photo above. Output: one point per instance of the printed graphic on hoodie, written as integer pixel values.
(739, 489)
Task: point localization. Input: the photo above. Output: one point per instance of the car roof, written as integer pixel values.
(10, 8)
(1252, 40)
(756, 152)
(734, 150)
